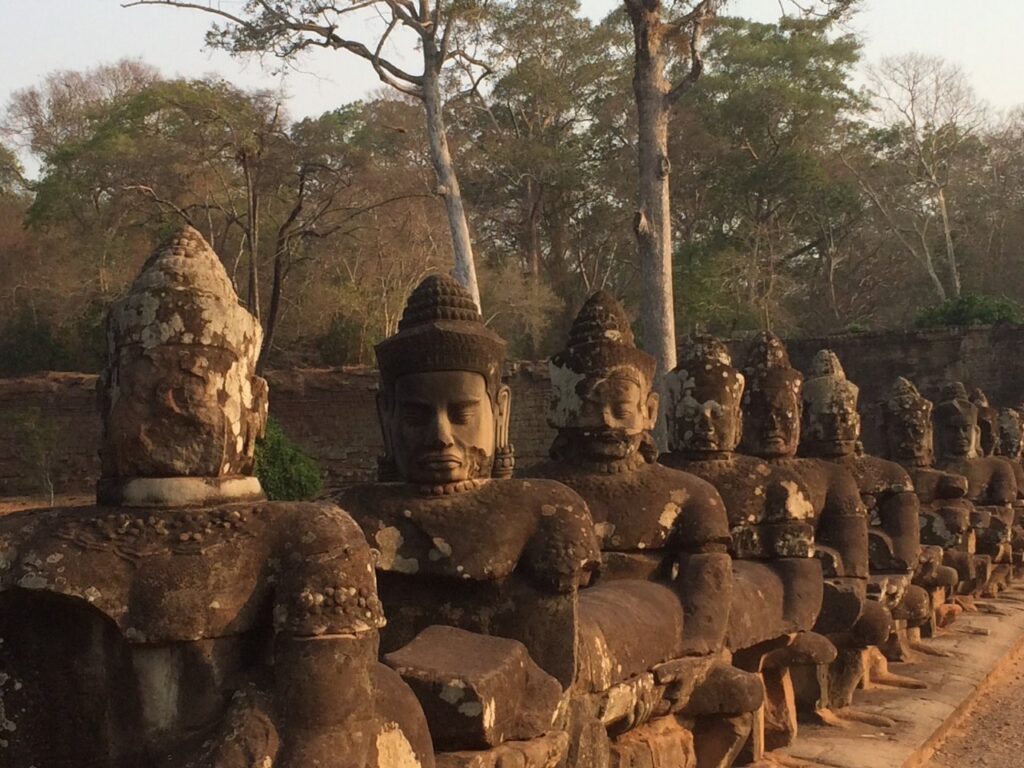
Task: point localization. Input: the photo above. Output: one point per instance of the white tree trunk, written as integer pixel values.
(447, 180)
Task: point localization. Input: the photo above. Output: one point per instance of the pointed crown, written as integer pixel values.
(601, 339)
(904, 398)
(183, 296)
(954, 401)
(705, 363)
(979, 398)
(768, 366)
(827, 382)
(441, 330)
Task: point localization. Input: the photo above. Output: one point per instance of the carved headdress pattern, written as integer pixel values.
(442, 330)
(768, 367)
(601, 339)
(827, 384)
(953, 400)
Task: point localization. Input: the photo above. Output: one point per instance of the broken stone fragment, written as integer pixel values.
(477, 691)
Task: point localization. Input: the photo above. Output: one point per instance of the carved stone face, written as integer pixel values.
(910, 437)
(707, 420)
(442, 427)
(988, 431)
(772, 428)
(613, 413)
(833, 430)
(1011, 435)
(181, 411)
(956, 435)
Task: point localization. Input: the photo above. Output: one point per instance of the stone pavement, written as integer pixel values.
(983, 646)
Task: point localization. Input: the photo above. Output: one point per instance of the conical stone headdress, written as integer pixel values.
(827, 385)
(180, 396)
(600, 341)
(442, 330)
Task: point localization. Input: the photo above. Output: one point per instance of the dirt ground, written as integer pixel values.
(992, 734)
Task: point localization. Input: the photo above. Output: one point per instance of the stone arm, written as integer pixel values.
(702, 574)
(1002, 488)
(899, 513)
(843, 523)
(564, 549)
(330, 707)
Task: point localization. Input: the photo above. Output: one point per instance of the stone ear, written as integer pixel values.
(502, 416)
(653, 400)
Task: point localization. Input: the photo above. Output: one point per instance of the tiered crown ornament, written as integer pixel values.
(953, 400)
(180, 397)
(601, 342)
(442, 330)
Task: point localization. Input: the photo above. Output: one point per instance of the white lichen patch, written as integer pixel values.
(394, 749)
(798, 506)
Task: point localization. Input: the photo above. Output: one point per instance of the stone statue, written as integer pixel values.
(991, 484)
(186, 620)
(771, 431)
(777, 580)
(988, 424)
(663, 533)
(467, 565)
(946, 511)
(831, 431)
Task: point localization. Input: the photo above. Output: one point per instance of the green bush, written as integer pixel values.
(284, 470)
(29, 344)
(969, 309)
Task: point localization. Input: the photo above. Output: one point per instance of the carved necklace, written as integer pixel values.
(450, 489)
(614, 467)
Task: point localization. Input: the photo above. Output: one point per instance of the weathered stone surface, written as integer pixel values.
(180, 396)
(193, 622)
(477, 691)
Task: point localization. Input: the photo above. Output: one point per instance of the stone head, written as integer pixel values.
(772, 402)
(180, 396)
(602, 399)
(907, 425)
(1011, 433)
(988, 424)
(705, 391)
(831, 424)
(956, 424)
(443, 409)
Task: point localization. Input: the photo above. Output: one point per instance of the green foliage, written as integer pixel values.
(37, 436)
(969, 309)
(342, 344)
(286, 472)
(29, 344)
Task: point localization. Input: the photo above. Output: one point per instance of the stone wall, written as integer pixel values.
(49, 427)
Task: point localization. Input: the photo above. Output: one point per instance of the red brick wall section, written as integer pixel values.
(49, 427)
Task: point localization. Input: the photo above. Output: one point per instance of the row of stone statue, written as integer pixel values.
(609, 608)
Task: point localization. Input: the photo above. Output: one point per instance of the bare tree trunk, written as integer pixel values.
(652, 224)
(274, 313)
(447, 180)
(252, 239)
(947, 230)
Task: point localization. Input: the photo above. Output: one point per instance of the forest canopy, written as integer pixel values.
(802, 199)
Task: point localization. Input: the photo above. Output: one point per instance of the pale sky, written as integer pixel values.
(984, 36)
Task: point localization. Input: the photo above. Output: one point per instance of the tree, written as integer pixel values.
(927, 116)
(439, 27)
(654, 33)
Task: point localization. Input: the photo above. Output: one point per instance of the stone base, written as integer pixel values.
(979, 644)
(548, 751)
